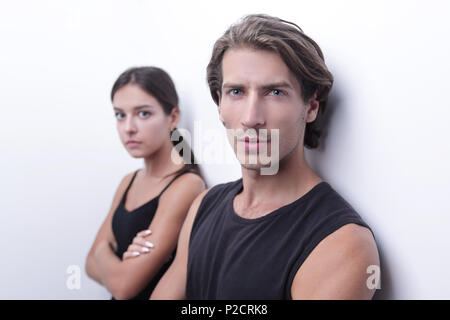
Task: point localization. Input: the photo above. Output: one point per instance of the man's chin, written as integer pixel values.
(255, 167)
(261, 169)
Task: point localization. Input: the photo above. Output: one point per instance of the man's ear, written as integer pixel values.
(219, 97)
(312, 108)
(220, 114)
(219, 107)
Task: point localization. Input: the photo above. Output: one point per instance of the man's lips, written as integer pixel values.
(252, 143)
(253, 140)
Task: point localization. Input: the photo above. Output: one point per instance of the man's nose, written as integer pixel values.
(253, 115)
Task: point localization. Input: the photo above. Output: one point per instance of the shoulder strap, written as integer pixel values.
(179, 174)
(131, 181)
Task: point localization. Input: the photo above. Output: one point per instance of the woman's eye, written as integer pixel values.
(144, 114)
(119, 115)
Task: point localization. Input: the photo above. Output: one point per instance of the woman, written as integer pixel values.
(156, 197)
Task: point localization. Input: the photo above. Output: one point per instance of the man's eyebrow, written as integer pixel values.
(281, 84)
(137, 107)
(232, 85)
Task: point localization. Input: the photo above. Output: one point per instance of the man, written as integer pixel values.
(286, 235)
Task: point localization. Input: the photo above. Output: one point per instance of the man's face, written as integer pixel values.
(260, 92)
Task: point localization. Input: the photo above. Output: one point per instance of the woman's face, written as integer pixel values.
(142, 124)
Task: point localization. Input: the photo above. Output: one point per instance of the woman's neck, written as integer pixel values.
(163, 162)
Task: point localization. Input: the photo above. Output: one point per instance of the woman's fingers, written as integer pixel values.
(135, 251)
(140, 249)
(130, 254)
(144, 233)
(139, 246)
(140, 241)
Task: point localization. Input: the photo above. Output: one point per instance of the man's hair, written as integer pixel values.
(301, 54)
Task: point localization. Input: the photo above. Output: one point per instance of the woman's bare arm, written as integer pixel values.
(105, 233)
(125, 279)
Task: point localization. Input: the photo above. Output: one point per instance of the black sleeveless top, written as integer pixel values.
(126, 224)
(233, 258)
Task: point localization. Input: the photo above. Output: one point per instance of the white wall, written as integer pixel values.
(387, 149)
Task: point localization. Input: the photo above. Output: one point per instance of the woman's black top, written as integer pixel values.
(126, 224)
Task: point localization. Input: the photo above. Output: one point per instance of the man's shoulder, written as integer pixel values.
(330, 200)
(327, 208)
(222, 189)
(217, 196)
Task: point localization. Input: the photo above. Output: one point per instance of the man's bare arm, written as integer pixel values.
(337, 267)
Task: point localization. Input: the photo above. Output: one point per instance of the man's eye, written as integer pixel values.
(235, 92)
(276, 92)
(119, 115)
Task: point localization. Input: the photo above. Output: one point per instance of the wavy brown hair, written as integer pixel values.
(301, 54)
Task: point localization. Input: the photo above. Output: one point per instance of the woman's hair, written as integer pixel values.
(156, 82)
(301, 54)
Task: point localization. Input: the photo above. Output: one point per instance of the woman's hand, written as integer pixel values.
(139, 245)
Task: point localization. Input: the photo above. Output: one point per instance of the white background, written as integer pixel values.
(386, 151)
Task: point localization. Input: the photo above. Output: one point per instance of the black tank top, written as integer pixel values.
(126, 224)
(233, 258)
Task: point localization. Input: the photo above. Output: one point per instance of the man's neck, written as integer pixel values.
(264, 193)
